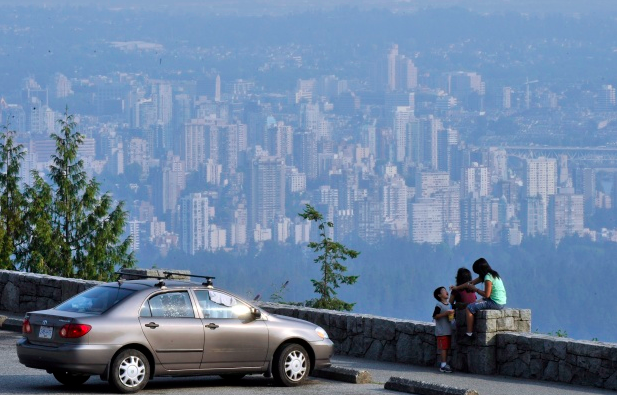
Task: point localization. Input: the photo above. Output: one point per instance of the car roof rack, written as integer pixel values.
(208, 283)
(160, 284)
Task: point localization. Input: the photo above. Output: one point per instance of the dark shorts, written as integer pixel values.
(444, 342)
(486, 304)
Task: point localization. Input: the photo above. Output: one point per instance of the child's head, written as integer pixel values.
(440, 293)
(463, 275)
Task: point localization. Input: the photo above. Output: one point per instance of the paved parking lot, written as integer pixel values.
(15, 378)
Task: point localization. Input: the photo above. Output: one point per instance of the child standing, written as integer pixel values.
(443, 330)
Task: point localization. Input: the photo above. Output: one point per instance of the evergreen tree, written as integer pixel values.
(331, 268)
(75, 232)
(11, 199)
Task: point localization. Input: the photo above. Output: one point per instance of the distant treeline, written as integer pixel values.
(568, 288)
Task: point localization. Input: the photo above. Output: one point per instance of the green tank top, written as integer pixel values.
(498, 294)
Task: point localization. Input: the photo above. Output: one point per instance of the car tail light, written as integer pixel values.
(26, 327)
(72, 331)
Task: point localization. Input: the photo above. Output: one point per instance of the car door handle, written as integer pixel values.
(212, 326)
(152, 325)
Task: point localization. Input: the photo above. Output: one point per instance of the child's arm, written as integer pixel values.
(451, 300)
(488, 289)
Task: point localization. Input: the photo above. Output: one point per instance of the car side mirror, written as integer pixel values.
(256, 313)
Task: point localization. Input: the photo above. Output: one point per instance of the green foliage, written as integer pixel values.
(331, 255)
(11, 199)
(67, 228)
(558, 333)
(277, 295)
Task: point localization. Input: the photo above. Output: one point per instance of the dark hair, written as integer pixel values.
(437, 292)
(463, 275)
(482, 268)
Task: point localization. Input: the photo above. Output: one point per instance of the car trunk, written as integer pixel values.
(46, 327)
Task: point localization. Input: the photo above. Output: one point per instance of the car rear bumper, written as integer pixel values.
(76, 358)
(324, 349)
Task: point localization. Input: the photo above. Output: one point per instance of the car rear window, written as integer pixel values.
(96, 300)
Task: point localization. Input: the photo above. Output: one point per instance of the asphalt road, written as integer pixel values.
(17, 379)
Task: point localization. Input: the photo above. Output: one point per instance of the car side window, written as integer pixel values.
(216, 304)
(171, 305)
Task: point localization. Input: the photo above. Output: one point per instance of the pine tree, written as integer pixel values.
(331, 268)
(11, 199)
(75, 232)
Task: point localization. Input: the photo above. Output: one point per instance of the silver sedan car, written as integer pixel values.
(128, 332)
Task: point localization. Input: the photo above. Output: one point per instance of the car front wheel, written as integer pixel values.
(292, 365)
(70, 379)
(130, 371)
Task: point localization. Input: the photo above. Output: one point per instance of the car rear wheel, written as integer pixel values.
(292, 365)
(71, 379)
(130, 371)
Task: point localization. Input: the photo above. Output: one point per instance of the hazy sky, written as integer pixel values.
(285, 6)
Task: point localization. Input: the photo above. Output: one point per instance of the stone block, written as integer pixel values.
(486, 325)
(525, 314)
(367, 324)
(375, 350)
(10, 298)
(523, 326)
(481, 360)
(407, 327)
(389, 352)
(536, 368)
(551, 371)
(565, 372)
(589, 364)
(400, 384)
(383, 329)
(486, 339)
(403, 348)
(556, 347)
(490, 314)
(506, 324)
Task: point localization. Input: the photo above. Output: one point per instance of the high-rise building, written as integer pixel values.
(217, 89)
(541, 180)
(430, 182)
(394, 196)
(533, 211)
(305, 153)
(477, 214)
(606, 98)
(195, 144)
(267, 198)
(566, 214)
(447, 142)
(426, 221)
(195, 220)
(475, 180)
(402, 117)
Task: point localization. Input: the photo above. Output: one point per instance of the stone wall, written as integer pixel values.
(23, 292)
(503, 343)
(558, 359)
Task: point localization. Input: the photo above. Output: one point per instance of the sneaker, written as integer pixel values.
(445, 369)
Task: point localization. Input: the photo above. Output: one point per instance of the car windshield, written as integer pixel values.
(96, 300)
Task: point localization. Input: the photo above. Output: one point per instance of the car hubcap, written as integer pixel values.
(132, 371)
(295, 365)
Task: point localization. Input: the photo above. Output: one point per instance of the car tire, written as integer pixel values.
(70, 379)
(232, 376)
(291, 365)
(130, 371)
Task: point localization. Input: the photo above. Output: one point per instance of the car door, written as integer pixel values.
(174, 332)
(233, 337)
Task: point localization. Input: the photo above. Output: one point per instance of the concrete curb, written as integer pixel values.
(10, 324)
(423, 388)
(344, 374)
